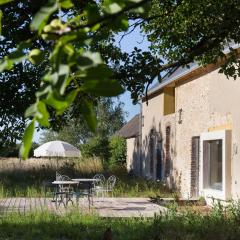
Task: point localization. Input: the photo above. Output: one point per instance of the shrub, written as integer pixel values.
(118, 149)
(96, 147)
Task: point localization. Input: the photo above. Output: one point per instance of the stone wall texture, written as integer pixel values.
(206, 102)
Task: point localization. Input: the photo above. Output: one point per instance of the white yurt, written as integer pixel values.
(56, 149)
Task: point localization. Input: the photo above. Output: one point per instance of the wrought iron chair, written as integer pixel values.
(84, 189)
(98, 185)
(63, 191)
(56, 188)
(58, 176)
(110, 184)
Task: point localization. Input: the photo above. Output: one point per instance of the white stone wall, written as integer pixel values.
(208, 102)
(153, 118)
(133, 155)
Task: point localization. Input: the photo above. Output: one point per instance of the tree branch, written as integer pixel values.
(111, 16)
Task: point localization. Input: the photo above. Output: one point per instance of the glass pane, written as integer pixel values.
(213, 161)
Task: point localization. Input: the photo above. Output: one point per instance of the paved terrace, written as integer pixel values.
(107, 207)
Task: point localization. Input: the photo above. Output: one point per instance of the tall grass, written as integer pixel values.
(26, 178)
(219, 224)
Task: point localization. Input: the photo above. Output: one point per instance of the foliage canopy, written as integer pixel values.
(76, 131)
(64, 51)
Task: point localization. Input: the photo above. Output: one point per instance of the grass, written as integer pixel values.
(221, 224)
(26, 179)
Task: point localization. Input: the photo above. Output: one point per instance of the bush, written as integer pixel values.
(111, 151)
(96, 147)
(118, 149)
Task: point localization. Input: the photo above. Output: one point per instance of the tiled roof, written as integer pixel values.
(131, 128)
(182, 71)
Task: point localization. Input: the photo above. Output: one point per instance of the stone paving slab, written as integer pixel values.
(127, 207)
(104, 207)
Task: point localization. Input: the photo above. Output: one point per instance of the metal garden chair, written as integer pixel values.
(98, 185)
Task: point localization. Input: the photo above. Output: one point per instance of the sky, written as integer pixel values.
(134, 39)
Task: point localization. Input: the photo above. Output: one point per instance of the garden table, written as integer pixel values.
(88, 182)
(65, 191)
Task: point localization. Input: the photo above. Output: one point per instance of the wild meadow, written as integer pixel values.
(28, 178)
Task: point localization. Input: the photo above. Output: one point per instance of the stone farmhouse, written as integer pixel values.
(188, 134)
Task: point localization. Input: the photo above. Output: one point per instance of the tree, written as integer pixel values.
(76, 131)
(19, 84)
(118, 150)
(181, 32)
(73, 40)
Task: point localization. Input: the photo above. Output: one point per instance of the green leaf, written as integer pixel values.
(42, 16)
(71, 96)
(27, 140)
(66, 4)
(15, 57)
(100, 71)
(103, 87)
(31, 111)
(89, 59)
(124, 24)
(43, 115)
(62, 75)
(5, 1)
(1, 15)
(113, 8)
(56, 101)
(5, 65)
(135, 1)
(39, 111)
(36, 56)
(92, 12)
(43, 91)
(89, 115)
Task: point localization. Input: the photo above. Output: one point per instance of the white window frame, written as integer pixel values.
(225, 193)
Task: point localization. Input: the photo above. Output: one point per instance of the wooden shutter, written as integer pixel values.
(168, 155)
(195, 166)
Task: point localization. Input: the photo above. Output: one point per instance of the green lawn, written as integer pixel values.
(219, 224)
(26, 180)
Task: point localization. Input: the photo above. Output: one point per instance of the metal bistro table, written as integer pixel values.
(88, 184)
(65, 191)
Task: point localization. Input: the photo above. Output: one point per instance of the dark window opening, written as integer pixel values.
(168, 155)
(151, 152)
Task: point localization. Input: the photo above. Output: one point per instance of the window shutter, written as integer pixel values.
(195, 166)
(168, 156)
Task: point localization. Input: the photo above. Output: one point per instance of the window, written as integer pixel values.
(213, 160)
(215, 164)
(169, 100)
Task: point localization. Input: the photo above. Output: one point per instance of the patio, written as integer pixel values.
(107, 207)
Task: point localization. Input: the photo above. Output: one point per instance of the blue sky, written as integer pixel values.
(135, 39)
